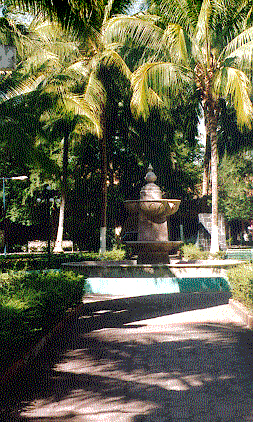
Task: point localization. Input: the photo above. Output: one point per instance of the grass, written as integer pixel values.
(30, 305)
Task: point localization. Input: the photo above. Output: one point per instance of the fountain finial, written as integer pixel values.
(150, 176)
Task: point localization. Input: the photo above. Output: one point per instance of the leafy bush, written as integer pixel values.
(30, 304)
(115, 254)
(191, 251)
(37, 262)
(40, 262)
(241, 281)
(219, 255)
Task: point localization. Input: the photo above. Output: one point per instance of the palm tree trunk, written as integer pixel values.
(211, 127)
(206, 170)
(59, 237)
(214, 173)
(104, 191)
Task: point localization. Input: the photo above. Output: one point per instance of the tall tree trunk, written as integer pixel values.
(59, 238)
(206, 170)
(214, 172)
(211, 126)
(103, 190)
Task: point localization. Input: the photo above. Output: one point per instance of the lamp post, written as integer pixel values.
(4, 204)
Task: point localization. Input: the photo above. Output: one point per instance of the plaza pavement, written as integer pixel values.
(160, 358)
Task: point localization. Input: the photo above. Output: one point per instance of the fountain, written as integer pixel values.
(153, 273)
(152, 245)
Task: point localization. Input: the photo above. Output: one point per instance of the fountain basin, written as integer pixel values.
(153, 251)
(158, 207)
(127, 278)
(130, 269)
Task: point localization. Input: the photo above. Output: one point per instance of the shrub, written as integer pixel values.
(30, 304)
(40, 262)
(241, 281)
(219, 255)
(35, 262)
(191, 251)
(115, 254)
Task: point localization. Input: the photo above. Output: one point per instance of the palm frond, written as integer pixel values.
(202, 27)
(29, 85)
(111, 58)
(238, 42)
(132, 31)
(95, 97)
(230, 18)
(71, 13)
(241, 58)
(178, 44)
(168, 80)
(183, 12)
(77, 71)
(88, 124)
(233, 84)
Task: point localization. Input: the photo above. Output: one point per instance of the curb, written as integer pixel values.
(244, 313)
(23, 362)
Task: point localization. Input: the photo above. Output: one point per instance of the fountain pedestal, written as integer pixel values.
(152, 245)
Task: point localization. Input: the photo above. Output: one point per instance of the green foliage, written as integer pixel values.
(193, 252)
(219, 255)
(235, 186)
(31, 304)
(17, 262)
(116, 254)
(241, 280)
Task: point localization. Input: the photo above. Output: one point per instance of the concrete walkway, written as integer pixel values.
(160, 358)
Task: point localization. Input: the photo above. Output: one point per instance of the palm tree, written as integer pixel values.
(97, 103)
(202, 50)
(86, 18)
(56, 70)
(45, 72)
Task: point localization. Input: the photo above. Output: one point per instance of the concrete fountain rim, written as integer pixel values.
(175, 262)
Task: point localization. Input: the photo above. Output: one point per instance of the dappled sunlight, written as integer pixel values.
(127, 374)
(112, 364)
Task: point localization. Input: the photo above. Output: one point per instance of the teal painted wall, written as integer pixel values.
(146, 286)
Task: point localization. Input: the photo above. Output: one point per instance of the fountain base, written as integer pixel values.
(153, 252)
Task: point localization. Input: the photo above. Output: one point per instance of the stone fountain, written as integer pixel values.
(153, 244)
(152, 273)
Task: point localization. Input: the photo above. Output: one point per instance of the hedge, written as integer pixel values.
(30, 305)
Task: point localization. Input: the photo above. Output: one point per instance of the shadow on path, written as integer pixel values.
(138, 373)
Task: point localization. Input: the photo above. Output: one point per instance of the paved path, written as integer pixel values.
(149, 359)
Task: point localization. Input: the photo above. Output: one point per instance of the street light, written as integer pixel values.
(4, 203)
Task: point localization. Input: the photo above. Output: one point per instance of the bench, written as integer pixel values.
(41, 245)
(241, 254)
